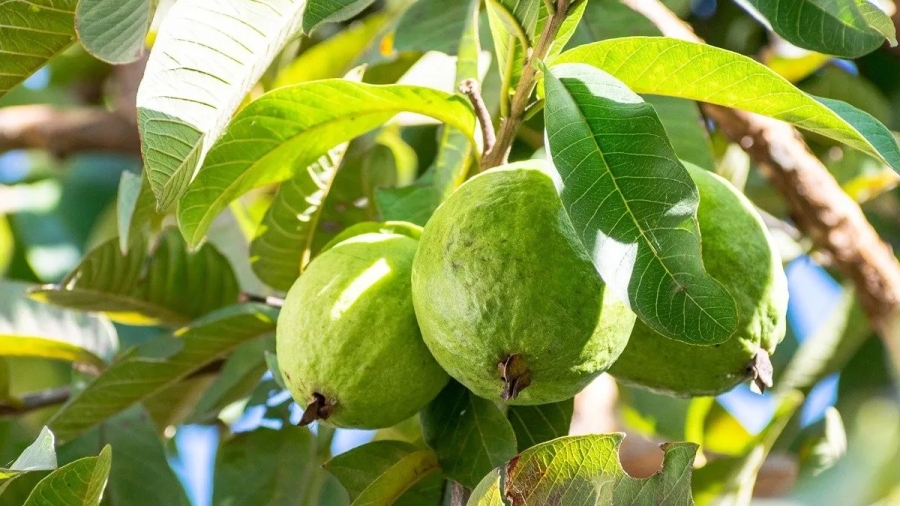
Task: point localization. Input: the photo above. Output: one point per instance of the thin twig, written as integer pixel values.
(509, 125)
(262, 299)
(469, 87)
(818, 205)
(34, 401)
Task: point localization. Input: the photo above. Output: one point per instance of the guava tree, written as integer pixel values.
(479, 240)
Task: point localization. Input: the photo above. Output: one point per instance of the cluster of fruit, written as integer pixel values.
(498, 293)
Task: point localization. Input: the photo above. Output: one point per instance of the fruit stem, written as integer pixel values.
(761, 371)
(515, 375)
(317, 409)
(510, 124)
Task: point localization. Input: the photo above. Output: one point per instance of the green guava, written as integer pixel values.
(738, 251)
(347, 341)
(506, 296)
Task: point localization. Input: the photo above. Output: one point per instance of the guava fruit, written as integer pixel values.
(347, 341)
(738, 251)
(506, 296)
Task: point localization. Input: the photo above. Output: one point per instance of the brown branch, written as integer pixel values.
(510, 124)
(470, 88)
(34, 401)
(817, 203)
(66, 131)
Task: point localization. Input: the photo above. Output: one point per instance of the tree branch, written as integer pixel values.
(470, 88)
(66, 131)
(817, 203)
(509, 125)
(34, 401)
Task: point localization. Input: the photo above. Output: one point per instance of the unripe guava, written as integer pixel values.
(506, 296)
(348, 345)
(738, 251)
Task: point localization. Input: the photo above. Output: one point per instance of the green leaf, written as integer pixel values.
(33, 33)
(140, 474)
(134, 208)
(335, 56)
(289, 128)
(80, 483)
(609, 19)
(239, 376)
(847, 28)
(470, 434)
(519, 17)
(633, 204)
(31, 329)
(684, 126)
(172, 405)
(168, 286)
(825, 445)
(282, 247)
(534, 425)
(271, 467)
(38, 456)
(141, 373)
(206, 57)
(114, 30)
(331, 11)
(709, 74)
(388, 472)
(586, 470)
(433, 25)
(831, 347)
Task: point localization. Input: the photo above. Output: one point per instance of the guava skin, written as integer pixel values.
(738, 251)
(500, 273)
(348, 333)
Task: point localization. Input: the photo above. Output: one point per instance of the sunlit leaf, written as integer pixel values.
(848, 28)
(289, 128)
(168, 285)
(826, 444)
(331, 11)
(721, 77)
(684, 125)
(114, 30)
(206, 57)
(470, 434)
(33, 33)
(633, 204)
(155, 365)
(38, 456)
(433, 25)
(586, 470)
(134, 208)
(534, 425)
(31, 329)
(79, 483)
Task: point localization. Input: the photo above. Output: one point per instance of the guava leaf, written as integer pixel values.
(134, 208)
(586, 470)
(155, 364)
(289, 128)
(206, 57)
(846, 28)
(239, 376)
(168, 286)
(140, 474)
(433, 25)
(282, 247)
(830, 347)
(709, 74)
(534, 425)
(79, 483)
(319, 12)
(388, 472)
(825, 443)
(33, 33)
(519, 17)
(38, 456)
(469, 434)
(114, 30)
(633, 204)
(684, 126)
(31, 329)
(172, 405)
(265, 466)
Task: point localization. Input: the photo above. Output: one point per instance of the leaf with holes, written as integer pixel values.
(206, 57)
(470, 434)
(79, 483)
(534, 425)
(290, 128)
(846, 28)
(709, 74)
(114, 30)
(33, 33)
(388, 472)
(586, 470)
(161, 362)
(319, 12)
(31, 329)
(633, 204)
(167, 286)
